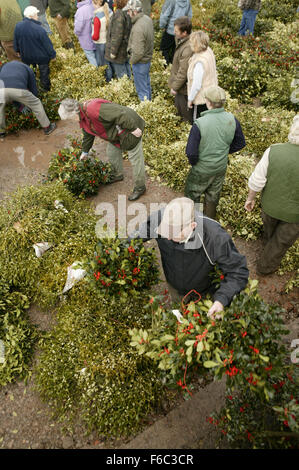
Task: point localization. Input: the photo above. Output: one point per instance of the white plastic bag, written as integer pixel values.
(58, 205)
(178, 314)
(74, 275)
(40, 248)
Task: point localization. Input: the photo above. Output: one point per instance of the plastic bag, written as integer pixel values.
(40, 248)
(178, 314)
(74, 275)
(58, 205)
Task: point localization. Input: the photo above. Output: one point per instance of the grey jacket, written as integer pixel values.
(141, 41)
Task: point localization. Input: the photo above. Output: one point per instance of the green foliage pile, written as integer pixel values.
(29, 216)
(17, 335)
(82, 178)
(245, 346)
(87, 368)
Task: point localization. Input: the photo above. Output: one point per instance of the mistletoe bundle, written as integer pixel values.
(17, 335)
(241, 346)
(121, 269)
(87, 369)
(82, 178)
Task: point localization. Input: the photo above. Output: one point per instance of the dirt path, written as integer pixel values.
(25, 421)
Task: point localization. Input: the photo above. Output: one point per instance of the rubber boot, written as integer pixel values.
(209, 209)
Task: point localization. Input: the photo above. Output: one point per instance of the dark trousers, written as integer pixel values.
(279, 236)
(44, 76)
(167, 47)
(181, 104)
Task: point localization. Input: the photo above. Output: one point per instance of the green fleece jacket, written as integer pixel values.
(141, 41)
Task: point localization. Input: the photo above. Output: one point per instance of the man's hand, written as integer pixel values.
(249, 205)
(137, 132)
(173, 92)
(216, 308)
(190, 104)
(112, 56)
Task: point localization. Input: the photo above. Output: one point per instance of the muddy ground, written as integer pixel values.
(26, 422)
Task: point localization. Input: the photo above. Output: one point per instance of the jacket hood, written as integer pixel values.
(85, 2)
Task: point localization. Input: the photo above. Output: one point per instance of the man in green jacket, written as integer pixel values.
(140, 48)
(178, 75)
(120, 126)
(277, 176)
(214, 135)
(10, 15)
(60, 11)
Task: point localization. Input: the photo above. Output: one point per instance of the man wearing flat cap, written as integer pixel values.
(214, 135)
(191, 245)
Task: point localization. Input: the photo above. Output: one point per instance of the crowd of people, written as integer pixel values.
(120, 36)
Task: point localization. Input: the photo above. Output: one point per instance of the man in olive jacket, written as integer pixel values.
(60, 11)
(120, 126)
(140, 48)
(276, 176)
(178, 75)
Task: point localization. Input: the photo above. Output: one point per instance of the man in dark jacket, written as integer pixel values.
(34, 45)
(120, 126)
(117, 41)
(19, 84)
(191, 245)
(178, 75)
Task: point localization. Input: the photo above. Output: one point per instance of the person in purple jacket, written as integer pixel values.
(82, 29)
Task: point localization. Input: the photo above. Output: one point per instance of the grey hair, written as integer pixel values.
(68, 108)
(294, 131)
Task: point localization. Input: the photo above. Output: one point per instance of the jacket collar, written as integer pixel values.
(31, 19)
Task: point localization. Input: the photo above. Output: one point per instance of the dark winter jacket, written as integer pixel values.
(15, 74)
(180, 64)
(59, 7)
(33, 43)
(250, 4)
(118, 37)
(188, 265)
(41, 5)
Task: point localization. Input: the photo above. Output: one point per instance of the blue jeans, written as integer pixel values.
(247, 22)
(100, 58)
(119, 70)
(91, 57)
(142, 80)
